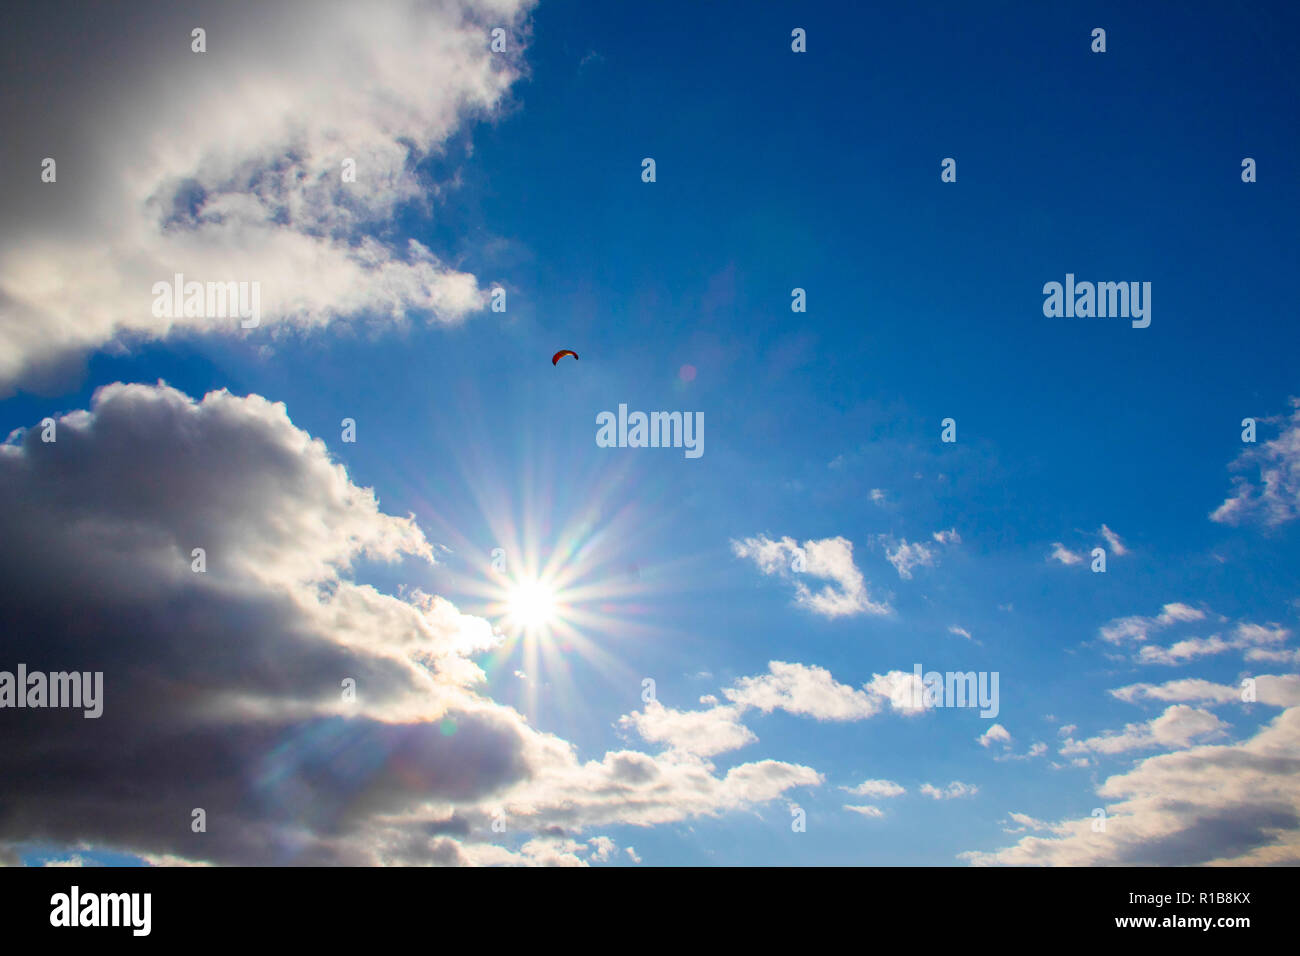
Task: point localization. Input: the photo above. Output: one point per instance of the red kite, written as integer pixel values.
(561, 353)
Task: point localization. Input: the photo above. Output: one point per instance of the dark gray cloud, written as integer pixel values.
(222, 689)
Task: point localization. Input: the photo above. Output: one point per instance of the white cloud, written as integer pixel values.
(1276, 691)
(876, 788)
(804, 689)
(830, 559)
(227, 167)
(1230, 805)
(865, 810)
(1064, 555)
(1036, 749)
(1275, 499)
(1274, 656)
(631, 852)
(1025, 822)
(800, 689)
(904, 691)
(1190, 689)
(995, 734)
(627, 787)
(701, 732)
(904, 557)
(960, 632)
(1183, 651)
(1179, 726)
(1112, 539)
(1259, 643)
(222, 688)
(955, 790)
(1136, 628)
(602, 848)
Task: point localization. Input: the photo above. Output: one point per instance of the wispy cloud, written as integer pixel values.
(1117, 547)
(1278, 691)
(1259, 643)
(954, 791)
(1064, 555)
(876, 788)
(1137, 628)
(830, 559)
(1274, 497)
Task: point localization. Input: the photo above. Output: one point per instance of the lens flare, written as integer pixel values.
(531, 606)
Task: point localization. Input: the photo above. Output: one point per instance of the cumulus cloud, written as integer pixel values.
(865, 810)
(904, 691)
(702, 732)
(803, 689)
(995, 734)
(1273, 498)
(637, 789)
(830, 559)
(812, 691)
(1233, 805)
(228, 167)
(602, 848)
(222, 689)
(1179, 726)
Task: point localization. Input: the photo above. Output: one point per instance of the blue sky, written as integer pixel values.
(821, 170)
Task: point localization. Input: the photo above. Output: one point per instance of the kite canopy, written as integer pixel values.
(561, 353)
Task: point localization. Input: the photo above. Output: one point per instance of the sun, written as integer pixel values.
(532, 606)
